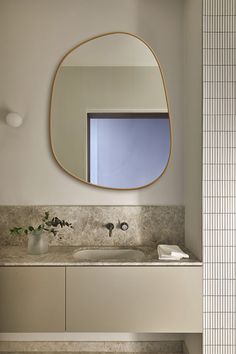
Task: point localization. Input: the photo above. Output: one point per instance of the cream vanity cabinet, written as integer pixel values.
(134, 299)
(100, 299)
(32, 299)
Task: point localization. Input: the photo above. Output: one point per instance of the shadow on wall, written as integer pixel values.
(3, 113)
(160, 24)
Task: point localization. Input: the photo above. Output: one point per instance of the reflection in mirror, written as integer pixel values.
(109, 116)
(135, 139)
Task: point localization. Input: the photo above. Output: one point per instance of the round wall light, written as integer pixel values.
(14, 120)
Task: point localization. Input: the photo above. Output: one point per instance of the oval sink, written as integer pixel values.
(111, 254)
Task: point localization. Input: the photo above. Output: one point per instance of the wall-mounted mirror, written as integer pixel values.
(109, 119)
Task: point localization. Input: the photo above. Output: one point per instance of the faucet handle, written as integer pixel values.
(124, 226)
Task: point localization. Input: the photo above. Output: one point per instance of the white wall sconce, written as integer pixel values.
(14, 120)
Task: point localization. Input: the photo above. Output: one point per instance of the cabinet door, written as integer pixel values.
(32, 299)
(134, 299)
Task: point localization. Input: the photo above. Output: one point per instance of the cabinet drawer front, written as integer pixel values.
(32, 299)
(134, 299)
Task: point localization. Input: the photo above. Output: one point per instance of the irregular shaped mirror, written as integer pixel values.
(109, 119)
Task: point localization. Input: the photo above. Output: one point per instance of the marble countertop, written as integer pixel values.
(63, 256)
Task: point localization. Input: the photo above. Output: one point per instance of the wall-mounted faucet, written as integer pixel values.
(110, 227)
(121, 225)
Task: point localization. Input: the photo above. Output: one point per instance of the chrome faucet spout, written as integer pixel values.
(110, 227)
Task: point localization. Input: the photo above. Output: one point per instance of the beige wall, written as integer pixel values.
(79, 90)
(193, 125)
(34, 35)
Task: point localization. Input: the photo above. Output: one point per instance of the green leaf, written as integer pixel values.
(50, 225)
(54, 231)
(46, 216)
(16, 230)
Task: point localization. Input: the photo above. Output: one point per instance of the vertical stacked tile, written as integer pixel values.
(219, 176)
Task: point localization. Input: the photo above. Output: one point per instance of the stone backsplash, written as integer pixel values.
(148, 225)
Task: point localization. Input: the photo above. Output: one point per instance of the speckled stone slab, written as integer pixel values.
(148, 225)
(64, 256)
(185, 349)
(96, 352)
(158, 347)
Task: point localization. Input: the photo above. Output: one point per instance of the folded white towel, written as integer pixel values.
(171, 252)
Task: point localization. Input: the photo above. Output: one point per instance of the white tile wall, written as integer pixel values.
(219, 176)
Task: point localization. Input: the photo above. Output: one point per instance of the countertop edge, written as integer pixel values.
(62, 256)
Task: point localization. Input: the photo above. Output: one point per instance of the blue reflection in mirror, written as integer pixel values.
(127, 150)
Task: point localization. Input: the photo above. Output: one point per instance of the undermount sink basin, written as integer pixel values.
(109, 254)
